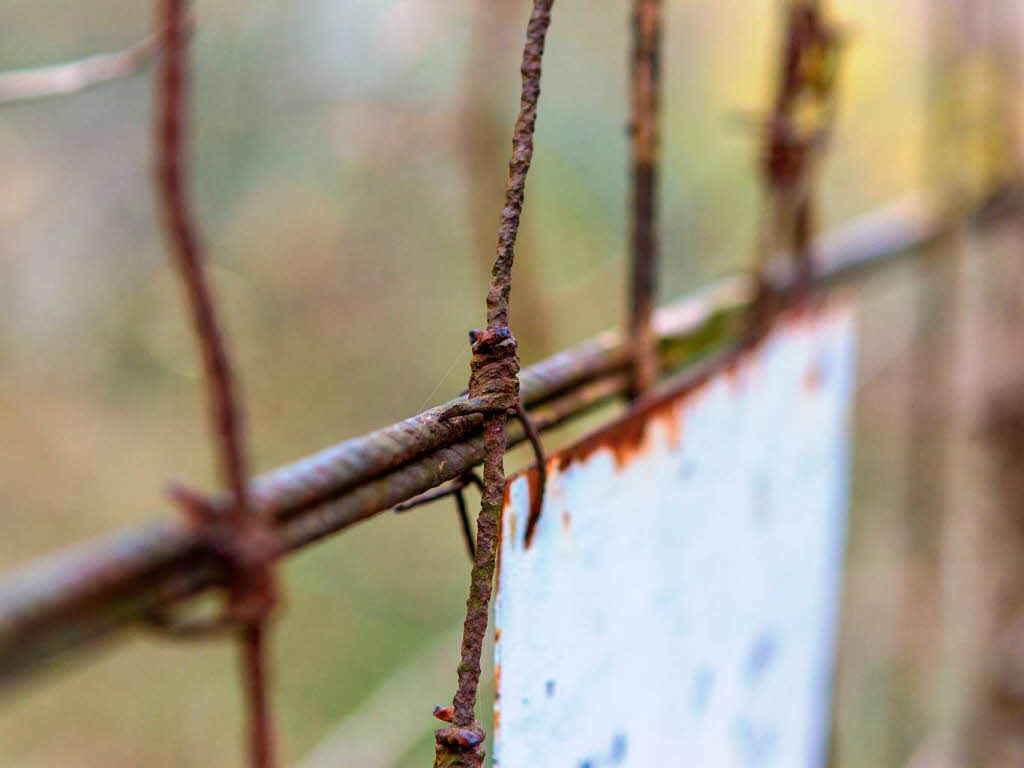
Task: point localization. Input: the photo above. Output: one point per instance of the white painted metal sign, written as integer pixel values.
(677, 603)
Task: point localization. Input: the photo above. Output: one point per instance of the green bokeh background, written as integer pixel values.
(348, 168)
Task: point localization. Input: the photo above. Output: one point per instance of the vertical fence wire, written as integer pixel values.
(235, 533)
(493, 391)
(185, 248)
(795, 133)
(645, 83)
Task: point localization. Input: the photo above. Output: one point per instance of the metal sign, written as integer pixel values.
(677, 602)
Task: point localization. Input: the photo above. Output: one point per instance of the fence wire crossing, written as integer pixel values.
(233, 541)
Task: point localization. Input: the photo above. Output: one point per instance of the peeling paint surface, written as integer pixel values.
(678, 602)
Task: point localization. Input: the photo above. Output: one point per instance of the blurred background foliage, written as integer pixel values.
(348, 165)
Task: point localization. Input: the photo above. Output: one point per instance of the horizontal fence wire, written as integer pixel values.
(79, 596)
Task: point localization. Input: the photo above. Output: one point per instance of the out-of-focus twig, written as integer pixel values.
(797, 130)
(79, 75)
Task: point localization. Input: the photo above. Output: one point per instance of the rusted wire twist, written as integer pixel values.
(493, 391)
(797, 129)
(643, 129)
(242, 539)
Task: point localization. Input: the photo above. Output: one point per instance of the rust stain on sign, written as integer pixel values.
(679, 594)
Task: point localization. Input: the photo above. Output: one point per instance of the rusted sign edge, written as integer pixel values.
(624, 435)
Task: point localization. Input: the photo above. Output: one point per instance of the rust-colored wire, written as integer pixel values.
(234, 533)
(805, 92)
(185, 249)
(494, 391)
(645, 97)
(536, 497)
(454, 489)
(74, 599)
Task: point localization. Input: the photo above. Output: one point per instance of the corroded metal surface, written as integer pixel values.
(494, 392)
(680, 593)
(73, 598)
(245, 542)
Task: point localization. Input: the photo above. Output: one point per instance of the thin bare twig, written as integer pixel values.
(236, 534)
(76, 76)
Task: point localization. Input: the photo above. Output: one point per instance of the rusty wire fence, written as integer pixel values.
(934, 678)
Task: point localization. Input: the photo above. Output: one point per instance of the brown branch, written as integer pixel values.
(645, 97)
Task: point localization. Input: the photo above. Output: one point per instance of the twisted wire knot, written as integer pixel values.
(494, 370)
(247, 546)
(493, 374)
(459, 747)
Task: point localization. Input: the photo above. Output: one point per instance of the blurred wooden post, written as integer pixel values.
(976, 717)
(934, 526)
(937, 307)
(997, 727)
